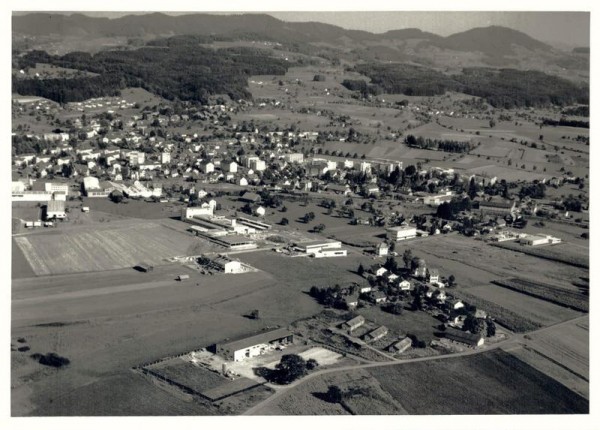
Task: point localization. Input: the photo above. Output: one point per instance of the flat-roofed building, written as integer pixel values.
(401, 233)
(315, 246)
(296, 157)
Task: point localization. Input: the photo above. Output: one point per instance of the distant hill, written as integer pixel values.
(492, 41)
(489, 40)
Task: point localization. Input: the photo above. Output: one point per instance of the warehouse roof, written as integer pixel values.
(266, 337)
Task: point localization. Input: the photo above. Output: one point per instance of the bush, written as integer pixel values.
(52, 359)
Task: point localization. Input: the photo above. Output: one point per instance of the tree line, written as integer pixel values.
(438, 144)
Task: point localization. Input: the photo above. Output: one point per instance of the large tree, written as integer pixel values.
(290, 368)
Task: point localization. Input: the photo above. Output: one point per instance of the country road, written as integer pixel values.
(513, 340)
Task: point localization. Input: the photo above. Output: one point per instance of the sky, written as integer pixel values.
(558, 28)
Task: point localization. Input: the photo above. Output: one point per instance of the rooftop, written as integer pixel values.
(265, 337)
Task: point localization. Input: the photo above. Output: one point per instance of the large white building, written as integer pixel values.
(53, 187)
(296, 157)
(165, 157)
(401, 233)
(315, 246)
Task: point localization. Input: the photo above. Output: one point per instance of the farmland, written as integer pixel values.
(491, 383)
(550, 253)
(550, 293)
(124, 244)
(475, 263)
(540, 312)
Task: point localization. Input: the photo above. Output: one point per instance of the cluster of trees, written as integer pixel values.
(25, 145)
(362, 87)
(438, 144)
(180, 71)
(329, 296)
(535, 191)
(566, 122)
(290, 368)
(504, 88)
(577, 111)
(448, 210)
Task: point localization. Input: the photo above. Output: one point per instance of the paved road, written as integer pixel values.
(512, 341)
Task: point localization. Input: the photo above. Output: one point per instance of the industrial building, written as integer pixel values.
(401, 233)
(234, 242)
(315, 246)
(535, 240)
(326, 253)
(254, 223)
(238, 350)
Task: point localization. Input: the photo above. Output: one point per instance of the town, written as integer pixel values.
(318, 247)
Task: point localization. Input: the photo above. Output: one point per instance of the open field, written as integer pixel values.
(553, 369)
(494, 382)
(539, 311)
(123, 245)
(474, 263)
(559, 296)
(559, 253)
(124, 399)
(308, 398)
(567, 345)
(105, 327)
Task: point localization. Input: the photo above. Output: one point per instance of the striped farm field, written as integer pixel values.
(123, 245)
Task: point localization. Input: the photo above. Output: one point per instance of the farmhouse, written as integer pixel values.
(401, 345)
(401, 233)
(404, 285)
(253, 346)
(378, 297)
(354, 323)
(382, 249)
(55, 210)
(316, 246)
(376, 334)
(433, 276)
(464, 337)
(352, 301)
